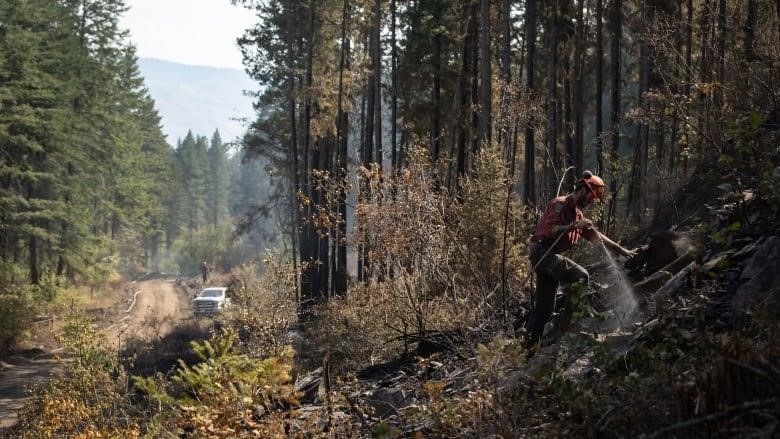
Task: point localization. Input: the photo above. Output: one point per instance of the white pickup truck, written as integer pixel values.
(211, 300)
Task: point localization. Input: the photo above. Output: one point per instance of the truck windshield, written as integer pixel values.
(211, 293)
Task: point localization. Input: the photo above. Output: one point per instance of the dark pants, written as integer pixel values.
(553, 270)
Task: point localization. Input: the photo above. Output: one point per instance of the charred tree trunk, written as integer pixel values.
(721, 55)
(553, 158)
(485, 91)
(749, 31)
(308, 249)
(529, 172)
(578, 90)
(688, 76)
(599, 86)
(638, 168)
(436, 98)
(342, 137)
(568, 123)
(394, 159)
(475, 90)
(323, 236)
(377, 68)
(361, 187)
(460, 98)
(617, 34)
(506, 77)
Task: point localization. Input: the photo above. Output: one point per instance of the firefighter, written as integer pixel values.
(560, 228)
(204, 271)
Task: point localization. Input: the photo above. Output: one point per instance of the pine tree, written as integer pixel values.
(217, 181)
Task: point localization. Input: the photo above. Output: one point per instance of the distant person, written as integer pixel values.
(559, 229)
(204, 271)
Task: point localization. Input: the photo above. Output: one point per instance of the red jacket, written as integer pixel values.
(562, 211)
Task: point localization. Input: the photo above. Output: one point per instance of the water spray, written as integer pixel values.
(623, 300)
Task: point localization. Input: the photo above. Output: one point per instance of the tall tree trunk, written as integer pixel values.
(721, 55)
(35, 273)
(485, 94)
(568, 123)
(368, 139)
(706, 52)
(32, 242)
(323, 237)
(308, 249)
(368, 146)
(461, 99)
(667, 160)
(475, 89)
(505, 137)
(361, 187)
(749, 31)
(688, 73)
(638, 167)
(316, 201)
(395, 162)
(377, 67)
(552, 99)
(617, 35)
(529, 173)
(599, 86)
(578, 89)
(342, 136)
(436, 98)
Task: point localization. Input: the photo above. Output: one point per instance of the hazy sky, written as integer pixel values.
(197, 32)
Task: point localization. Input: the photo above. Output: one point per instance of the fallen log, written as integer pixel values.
(674, 284)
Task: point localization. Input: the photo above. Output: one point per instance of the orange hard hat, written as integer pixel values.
(594, 183)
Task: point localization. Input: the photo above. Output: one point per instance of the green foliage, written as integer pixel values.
(753, 156)
(15, 310)
(212, 245)
(383, 430)
(80, 139)
(47, 289)
(12, 276)
(217, 182)
(220, 394)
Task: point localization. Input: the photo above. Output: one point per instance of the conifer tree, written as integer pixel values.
(217, 181)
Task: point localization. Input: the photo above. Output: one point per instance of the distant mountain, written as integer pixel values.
(198, 98)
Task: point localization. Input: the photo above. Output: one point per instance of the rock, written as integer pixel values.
(387, 402)
(759, 273)
(746, 250)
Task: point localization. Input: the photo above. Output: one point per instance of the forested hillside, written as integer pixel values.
(638, 92)
(85, 166)
(198, 98)
(376, 228)
(90, 188)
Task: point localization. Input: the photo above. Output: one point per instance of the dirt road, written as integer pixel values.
(157, 307)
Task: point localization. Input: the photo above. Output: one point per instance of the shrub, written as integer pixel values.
(227, 394)
(433, 265)
(89, 398)
(15, 309)
(264, 304)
